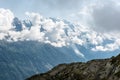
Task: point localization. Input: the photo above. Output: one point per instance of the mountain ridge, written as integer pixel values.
(98, 69)
(36, 44)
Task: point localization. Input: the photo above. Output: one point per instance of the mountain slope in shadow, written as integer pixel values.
(99, 69)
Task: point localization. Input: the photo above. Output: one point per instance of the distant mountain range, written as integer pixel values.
(20, 60)
(99, 69)
(28, 48)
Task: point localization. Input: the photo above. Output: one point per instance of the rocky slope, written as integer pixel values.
(100, 69)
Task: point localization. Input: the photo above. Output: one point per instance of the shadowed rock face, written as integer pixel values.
(100, 69)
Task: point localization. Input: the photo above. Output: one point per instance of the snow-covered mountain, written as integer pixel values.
(37, 44)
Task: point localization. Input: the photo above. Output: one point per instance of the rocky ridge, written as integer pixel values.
(99, 69)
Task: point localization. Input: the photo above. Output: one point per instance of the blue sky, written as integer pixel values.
(48, 8)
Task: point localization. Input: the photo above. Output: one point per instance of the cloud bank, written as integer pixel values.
(102, 16)
(56, 32)
(107, 16)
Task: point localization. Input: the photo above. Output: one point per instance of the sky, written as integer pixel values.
(96, 22)
(49, 8)
(95, 12)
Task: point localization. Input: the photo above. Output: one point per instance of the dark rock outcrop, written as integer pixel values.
(100, 69)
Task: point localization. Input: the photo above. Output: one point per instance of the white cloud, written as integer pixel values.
(58, 33)
(102, 16)
(6, 17)
(35, 18)
(108, 47)
(2, 36)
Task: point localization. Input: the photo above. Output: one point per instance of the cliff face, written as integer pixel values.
(100, 69)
